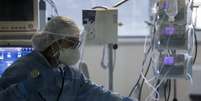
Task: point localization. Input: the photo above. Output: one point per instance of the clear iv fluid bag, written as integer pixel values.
(171, 9)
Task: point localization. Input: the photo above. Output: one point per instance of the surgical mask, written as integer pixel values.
(69, 56)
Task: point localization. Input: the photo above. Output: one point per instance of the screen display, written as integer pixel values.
(16, 10)
(9, 55)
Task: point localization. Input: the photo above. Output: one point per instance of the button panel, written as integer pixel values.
(18, 28)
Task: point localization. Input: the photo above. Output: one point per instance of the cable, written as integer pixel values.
(142, 84)
(167, 85)
(145, 56)
(157, 96)
(155, 88)
(196, 48)
(53, 5)
(143, 63)
(175, 91)
(120, 3)
(190, 78)
(135, 86)
(139, 78)
(145, 43)
(195, 35)
(165, 90)
(61, 90)
(40, 95)
(141, 87)
(169, 91)
(62, 85)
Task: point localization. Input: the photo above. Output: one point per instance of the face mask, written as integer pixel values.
(69, 56)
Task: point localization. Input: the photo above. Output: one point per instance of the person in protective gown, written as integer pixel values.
(46, 74)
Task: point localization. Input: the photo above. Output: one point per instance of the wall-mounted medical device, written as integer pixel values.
(18, 15)
(101, 25)
(18, 21)
(10, 54)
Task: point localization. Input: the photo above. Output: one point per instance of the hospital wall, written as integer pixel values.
(127, 68)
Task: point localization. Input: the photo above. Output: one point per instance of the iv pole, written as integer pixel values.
(110, 52)
(112, 47)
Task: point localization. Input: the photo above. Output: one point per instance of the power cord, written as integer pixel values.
(167, 86)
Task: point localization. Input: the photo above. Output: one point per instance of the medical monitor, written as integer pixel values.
(18, 16)
(8, 55)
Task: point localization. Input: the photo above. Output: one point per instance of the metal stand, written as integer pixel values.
(111, 66)
(111, 63)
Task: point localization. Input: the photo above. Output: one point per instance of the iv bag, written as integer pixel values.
(171, 9)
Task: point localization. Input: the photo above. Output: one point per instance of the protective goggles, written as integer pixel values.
(70, 43)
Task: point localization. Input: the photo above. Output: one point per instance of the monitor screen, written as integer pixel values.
(9, 55)
(16, 10)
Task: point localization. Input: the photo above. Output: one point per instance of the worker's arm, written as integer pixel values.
(9, 91)
(10, 83)
(91, 92)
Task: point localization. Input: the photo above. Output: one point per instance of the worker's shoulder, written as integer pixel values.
(21, 62)
(20, 66)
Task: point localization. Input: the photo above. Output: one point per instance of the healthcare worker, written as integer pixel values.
(47, 74)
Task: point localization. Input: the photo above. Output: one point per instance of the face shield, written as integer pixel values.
(64, 33)
(59, 28)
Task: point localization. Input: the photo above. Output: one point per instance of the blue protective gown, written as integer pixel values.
(75, 87)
